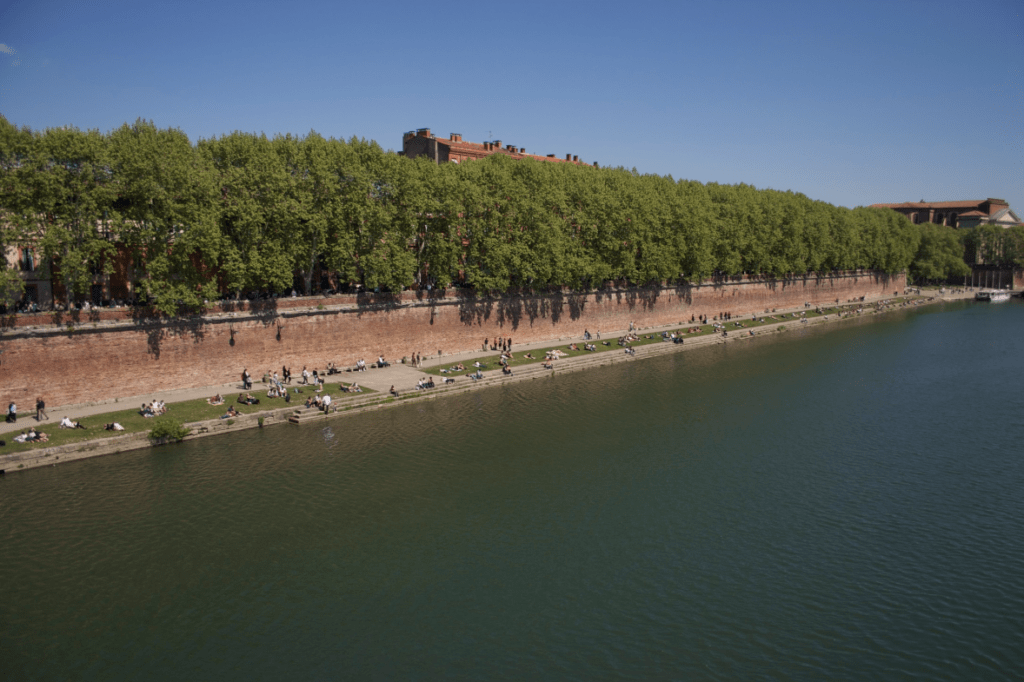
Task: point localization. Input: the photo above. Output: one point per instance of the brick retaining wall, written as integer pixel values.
(113, 355)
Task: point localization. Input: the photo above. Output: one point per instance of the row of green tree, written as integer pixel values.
(244, 212)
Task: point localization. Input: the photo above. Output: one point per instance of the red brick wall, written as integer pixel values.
(101, 361)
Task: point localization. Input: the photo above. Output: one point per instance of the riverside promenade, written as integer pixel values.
(405, 377)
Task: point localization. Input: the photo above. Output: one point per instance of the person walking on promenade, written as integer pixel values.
(246, 379)
(12, 413)
(41, 410)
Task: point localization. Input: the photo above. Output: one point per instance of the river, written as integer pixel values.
(844, 501)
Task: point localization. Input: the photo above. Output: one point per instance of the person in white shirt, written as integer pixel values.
(327, 402)
(66, 423)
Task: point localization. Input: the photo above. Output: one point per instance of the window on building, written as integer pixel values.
(28, 260)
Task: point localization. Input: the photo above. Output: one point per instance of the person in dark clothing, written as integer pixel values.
(41, 410)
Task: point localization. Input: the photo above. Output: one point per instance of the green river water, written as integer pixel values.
(844, 502)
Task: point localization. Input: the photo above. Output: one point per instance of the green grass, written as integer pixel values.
(491, 361)
(185, 412)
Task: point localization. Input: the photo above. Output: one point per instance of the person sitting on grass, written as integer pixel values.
(145, 411)
(113, 426)
(66, 423)
(449, 380)
(216, 400)
(477, 375)
(529, 356)
(392, 391)
(547, 364)
(354, 388)
(232, 412)
(506, 370)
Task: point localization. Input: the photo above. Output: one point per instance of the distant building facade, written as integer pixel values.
(959, 214)
(453, 149)
(35, 274)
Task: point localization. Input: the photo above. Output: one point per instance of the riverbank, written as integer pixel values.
(404, 379)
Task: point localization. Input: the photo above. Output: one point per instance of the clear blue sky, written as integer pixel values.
(849, 102)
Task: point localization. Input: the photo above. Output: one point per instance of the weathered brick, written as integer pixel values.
(100, 363)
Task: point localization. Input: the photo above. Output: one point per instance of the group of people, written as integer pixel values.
(320, 402)
(153, 409)
(498, 343)
(31, 436)
(628, 339)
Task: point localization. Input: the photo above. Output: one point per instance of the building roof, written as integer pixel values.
(941, 204)
(481, 149)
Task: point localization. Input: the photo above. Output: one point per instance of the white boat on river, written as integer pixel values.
(992, 296)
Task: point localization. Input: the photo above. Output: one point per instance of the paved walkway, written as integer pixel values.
(402, 377)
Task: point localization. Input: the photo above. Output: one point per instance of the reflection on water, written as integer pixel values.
(840, 502)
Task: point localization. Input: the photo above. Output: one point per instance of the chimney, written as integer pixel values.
(423, 132)
(551, 156)
(456, 137)
(523, 150)
(496, 144)
(575, 158)
(595, 164)
(568, 157)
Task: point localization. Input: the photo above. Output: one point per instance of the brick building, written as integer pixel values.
(26, 261)
(456, 150)
(960, 214)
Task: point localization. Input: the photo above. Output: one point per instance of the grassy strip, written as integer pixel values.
(133, 422)
(491, 362)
